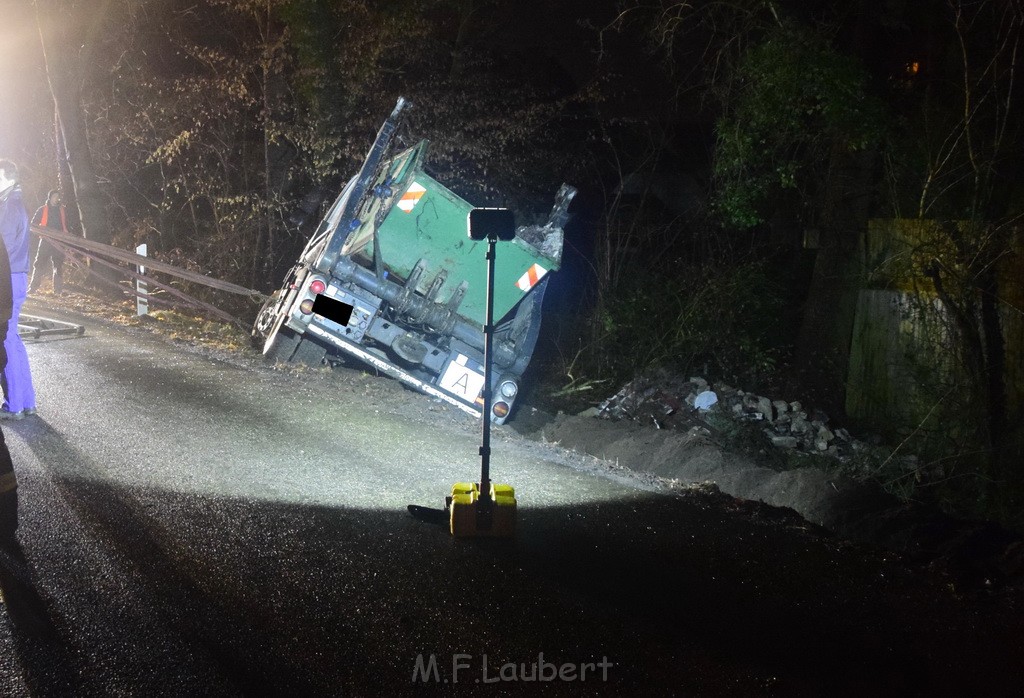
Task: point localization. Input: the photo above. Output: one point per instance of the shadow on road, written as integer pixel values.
(44, 656)
(685, 595)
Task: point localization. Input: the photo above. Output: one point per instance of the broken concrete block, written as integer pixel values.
(799, 425)
(823, 438)
(784, 441)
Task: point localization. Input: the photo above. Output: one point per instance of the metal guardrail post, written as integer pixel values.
(142, 292)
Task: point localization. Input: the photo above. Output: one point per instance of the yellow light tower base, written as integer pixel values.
(492, 516)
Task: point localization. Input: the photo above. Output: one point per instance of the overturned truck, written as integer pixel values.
(391, 278)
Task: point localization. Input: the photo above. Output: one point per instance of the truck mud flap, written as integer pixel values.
(389, 369)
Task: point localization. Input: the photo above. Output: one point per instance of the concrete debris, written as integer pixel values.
(781, 441)
(698, 433)
(669, 402)
(823, 439)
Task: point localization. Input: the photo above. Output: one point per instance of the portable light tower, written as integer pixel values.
(485, 508)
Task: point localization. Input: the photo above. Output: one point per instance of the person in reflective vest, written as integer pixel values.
(51, 215)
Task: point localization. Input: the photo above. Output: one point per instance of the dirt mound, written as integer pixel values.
(976, 555)
(823, 498)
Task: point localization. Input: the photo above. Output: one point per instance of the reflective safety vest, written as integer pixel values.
(45, 216)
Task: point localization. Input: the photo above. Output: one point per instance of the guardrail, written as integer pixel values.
(97, 251)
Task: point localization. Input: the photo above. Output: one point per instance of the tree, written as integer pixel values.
(224, 125)
(958, 166)
(799, 139)
(56, 21)
(797, 129)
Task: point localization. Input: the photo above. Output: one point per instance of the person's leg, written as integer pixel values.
(40, 259)
(19, 393)
(58, 270)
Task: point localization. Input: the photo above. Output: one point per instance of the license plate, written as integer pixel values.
(462, 381)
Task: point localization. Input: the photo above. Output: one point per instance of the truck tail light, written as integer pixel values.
(508, 389)
(317, 286)
(500, 410)
(306, 306)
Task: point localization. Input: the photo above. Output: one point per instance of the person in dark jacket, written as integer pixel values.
(54, 216)
(19, 395)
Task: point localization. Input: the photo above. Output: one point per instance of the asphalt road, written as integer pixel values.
(195, 526)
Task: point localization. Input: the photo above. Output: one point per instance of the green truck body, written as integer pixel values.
(391, 278)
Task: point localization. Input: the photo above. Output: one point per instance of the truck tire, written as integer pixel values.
(265, 321)
(280, 345)
(309, 352)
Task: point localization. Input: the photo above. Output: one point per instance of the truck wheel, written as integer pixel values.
(264, 322)
(280, 345)
(309, 352)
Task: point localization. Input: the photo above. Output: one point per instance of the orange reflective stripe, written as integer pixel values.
(530, 277)
(413, 194)
(45, 217)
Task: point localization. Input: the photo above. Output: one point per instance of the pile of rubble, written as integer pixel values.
(673, 403)
(975, 555)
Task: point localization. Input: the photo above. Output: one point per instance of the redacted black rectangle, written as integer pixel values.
(333, 310)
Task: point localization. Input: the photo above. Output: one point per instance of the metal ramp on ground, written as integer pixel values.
(35, 327)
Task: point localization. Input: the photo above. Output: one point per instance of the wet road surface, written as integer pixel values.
(195, 526)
